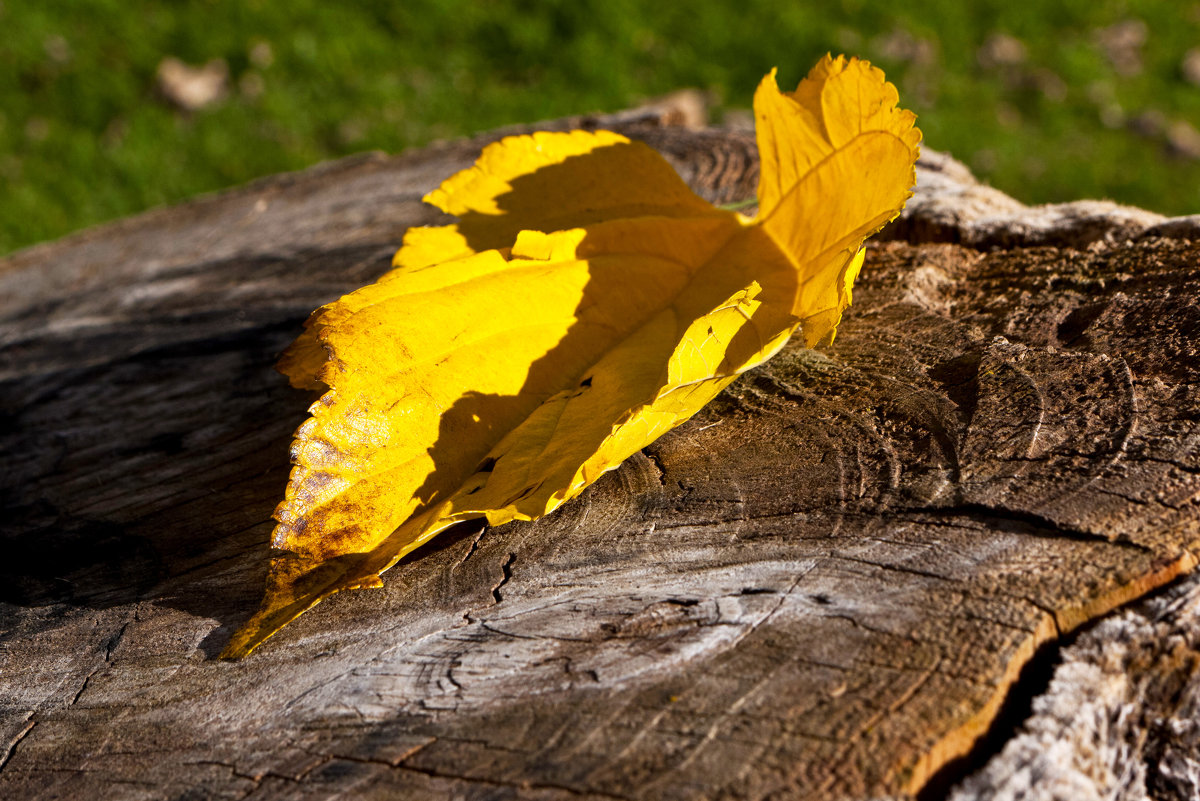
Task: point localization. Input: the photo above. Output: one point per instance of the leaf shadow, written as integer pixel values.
(472, 426)
(620, 308)
(145, 462)
(146, 465)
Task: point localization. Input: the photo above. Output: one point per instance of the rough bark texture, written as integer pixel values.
(1121, 718)
(824, 586)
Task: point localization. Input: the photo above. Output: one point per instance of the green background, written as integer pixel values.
(1067, 106)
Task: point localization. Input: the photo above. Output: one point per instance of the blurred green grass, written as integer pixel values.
(1081, 98)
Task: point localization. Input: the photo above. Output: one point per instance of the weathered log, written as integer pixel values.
(823, 586)
(1121, 718)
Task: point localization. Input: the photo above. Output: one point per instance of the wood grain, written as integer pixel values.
(823, 586)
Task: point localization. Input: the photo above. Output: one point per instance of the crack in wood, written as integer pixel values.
(16, 741)
(507, 571)
(803, 555)
(1026, 522)
(473, 547)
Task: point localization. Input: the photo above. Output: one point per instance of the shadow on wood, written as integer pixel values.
(823, 586)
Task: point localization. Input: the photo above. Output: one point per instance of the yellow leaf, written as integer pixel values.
(585, 303)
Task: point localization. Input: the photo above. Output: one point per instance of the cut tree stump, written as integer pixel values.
(826, 585)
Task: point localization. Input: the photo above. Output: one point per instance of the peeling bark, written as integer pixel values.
(1119, 720)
